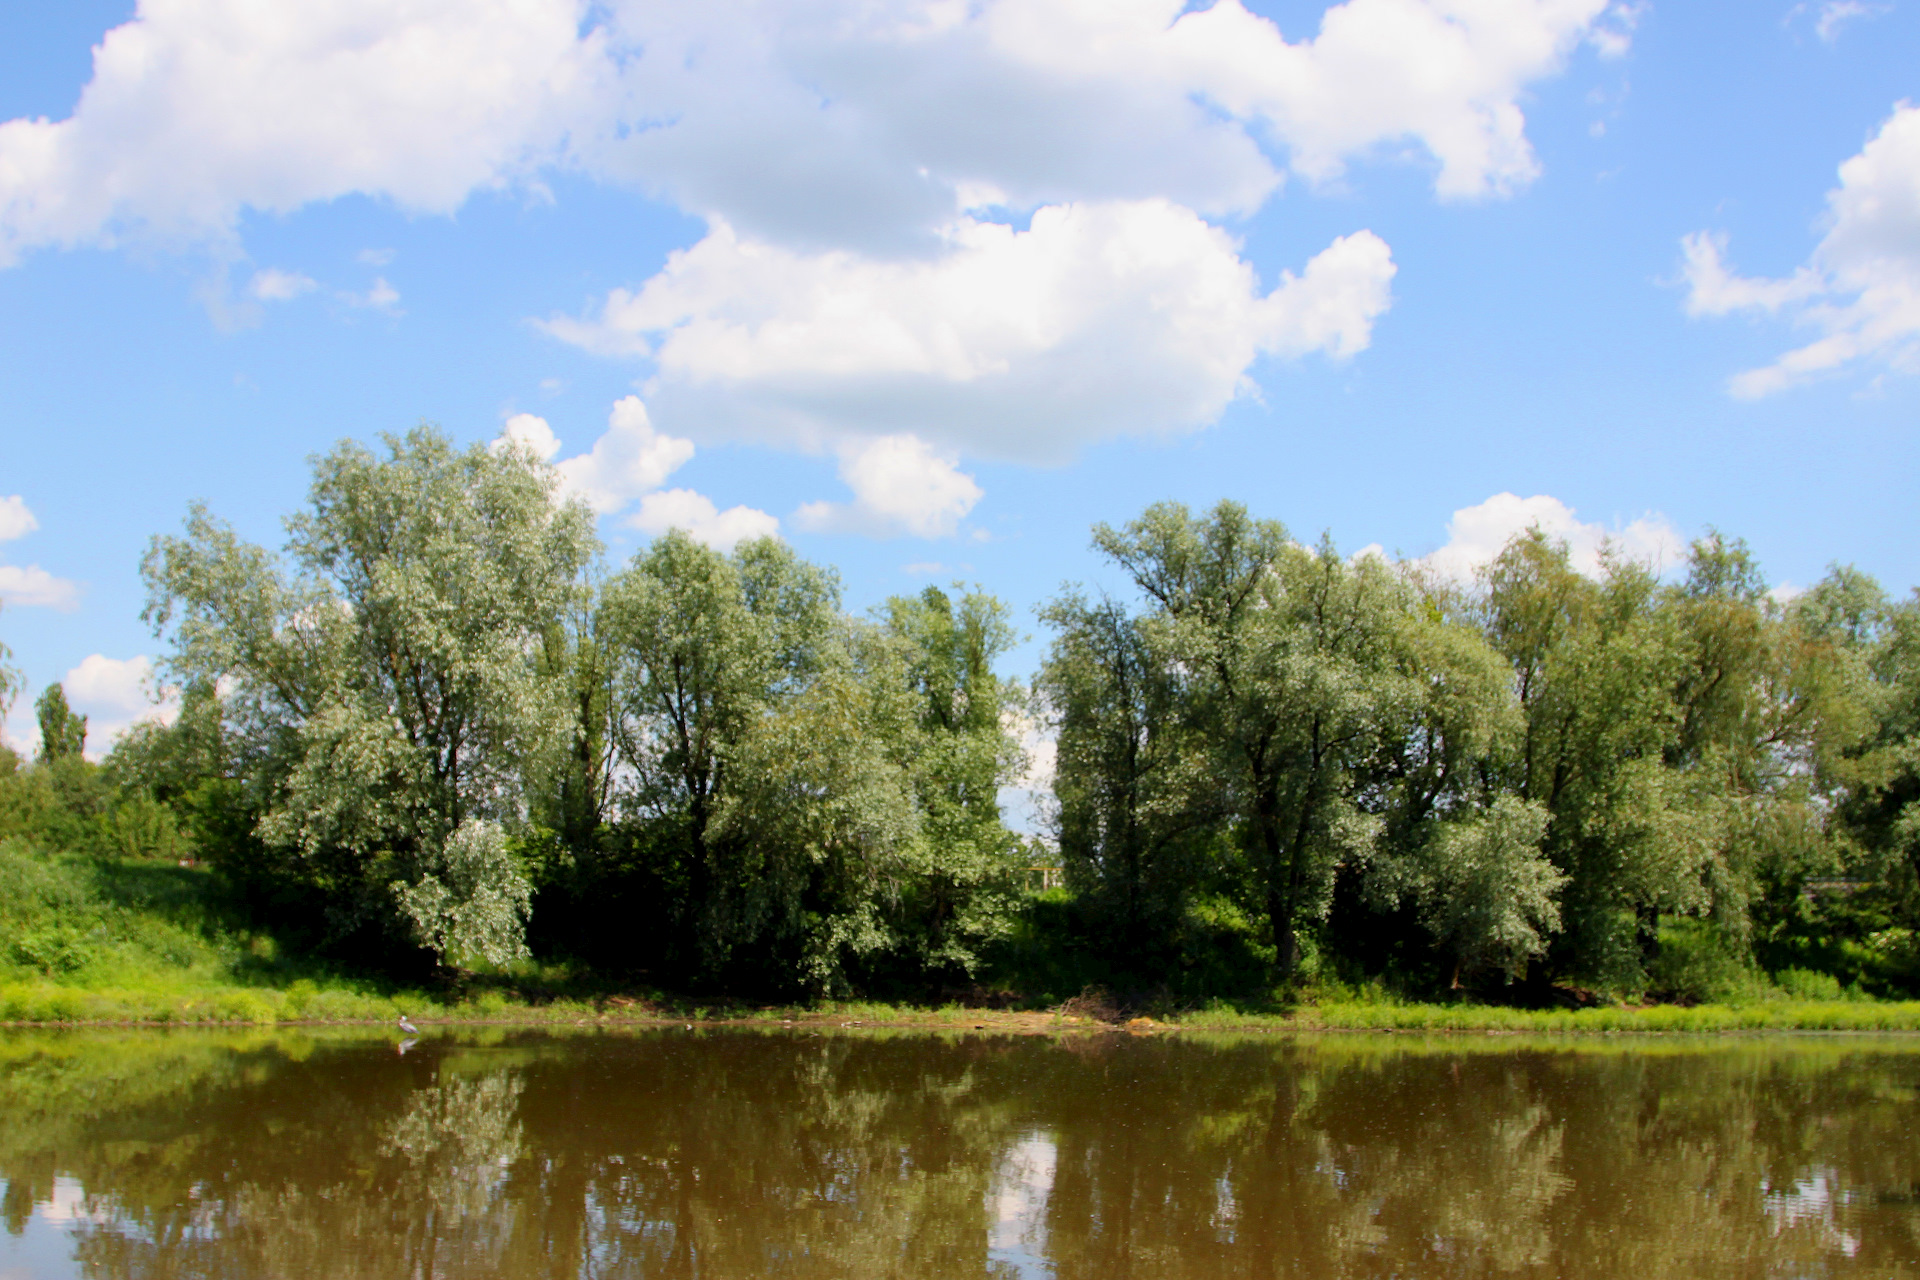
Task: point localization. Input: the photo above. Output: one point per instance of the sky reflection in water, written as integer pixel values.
(735, 1153)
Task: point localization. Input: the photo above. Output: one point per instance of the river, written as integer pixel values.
(722, 1152)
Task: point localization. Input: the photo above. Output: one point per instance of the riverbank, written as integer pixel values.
(304, 1002)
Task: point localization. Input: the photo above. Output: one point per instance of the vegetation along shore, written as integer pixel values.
(435, 756)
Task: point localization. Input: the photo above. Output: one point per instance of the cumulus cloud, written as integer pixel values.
(1860, 292)
(627, 461)
(115, 694)
(1097, 320)
(1476, 534)
(696, 514)
(810, 123)
(16, 521)
(900, 485)
(200, 109)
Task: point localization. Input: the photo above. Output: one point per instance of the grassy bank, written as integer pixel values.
(98, 940)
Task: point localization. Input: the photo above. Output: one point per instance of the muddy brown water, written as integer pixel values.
(732, 1153)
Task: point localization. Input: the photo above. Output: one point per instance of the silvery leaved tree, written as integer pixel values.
(381, 684)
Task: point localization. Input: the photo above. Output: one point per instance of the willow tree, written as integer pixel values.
(379, 683)
(962, 753)
(765, 809)
(1287, 655)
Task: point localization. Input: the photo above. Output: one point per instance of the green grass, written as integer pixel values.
(91, 940)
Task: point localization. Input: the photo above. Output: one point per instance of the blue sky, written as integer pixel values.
(928, 287)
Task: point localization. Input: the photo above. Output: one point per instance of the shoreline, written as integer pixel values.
(71, 1008)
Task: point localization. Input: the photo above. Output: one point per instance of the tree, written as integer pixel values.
(961, 753)
(63, 735)
(390, 688)
(1484, 889)
(753, 783)
(471, 900)
(1287, 655)
(1596, 665)
(1133, 787)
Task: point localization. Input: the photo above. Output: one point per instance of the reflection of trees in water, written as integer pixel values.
(750, 1155)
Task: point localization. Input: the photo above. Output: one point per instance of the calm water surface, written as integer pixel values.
(732, 1153)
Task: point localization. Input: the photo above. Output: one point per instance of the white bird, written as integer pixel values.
(408, 1027)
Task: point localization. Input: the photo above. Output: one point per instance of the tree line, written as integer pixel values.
(437, 730)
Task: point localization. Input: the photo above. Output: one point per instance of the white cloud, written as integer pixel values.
(805, 122)
(1098, 320)
(1861, 290)
(900, 485)
(695, 513)
(1835, 14)
(1475, 535)
(275, 285)
(199, 109)
(16, 521)
(1713, 290)
(32, 586)
(380, 296)
(115, 694)
(629, 460)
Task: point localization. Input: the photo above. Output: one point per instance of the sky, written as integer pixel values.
(929, 287)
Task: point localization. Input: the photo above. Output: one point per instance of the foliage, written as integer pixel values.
(387, 689)
(62, 733)
(471, 899)
(434, 731)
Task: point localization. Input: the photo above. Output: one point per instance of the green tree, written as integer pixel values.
(758, 791)
(1288, 654)
(471, 900)
(1596, 665)
(961, 752)
(389, 688)
(63, 734)
(1133, 784)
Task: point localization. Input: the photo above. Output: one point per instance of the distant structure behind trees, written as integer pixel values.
(432, 733)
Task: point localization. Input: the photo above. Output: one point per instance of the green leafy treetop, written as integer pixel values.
(389, 688)
(62, 733)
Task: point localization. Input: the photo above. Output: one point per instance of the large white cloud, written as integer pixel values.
(809, 122)
(1860, 292)
(1097, 320)
(1476, 534)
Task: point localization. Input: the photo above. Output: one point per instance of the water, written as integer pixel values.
(722, 1153)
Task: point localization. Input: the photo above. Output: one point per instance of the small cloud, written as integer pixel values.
(629, 459)
(380, 296)
(1477, 534)
(552, 386)
(1835, 14)
(275, 285)
(1612, 36)
(919, 567)
(33, 587)
(1714, 290)
(695, 513)
(374, 257)
(900, 485)
(15, 520)
(383, 296)
(115, 694)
